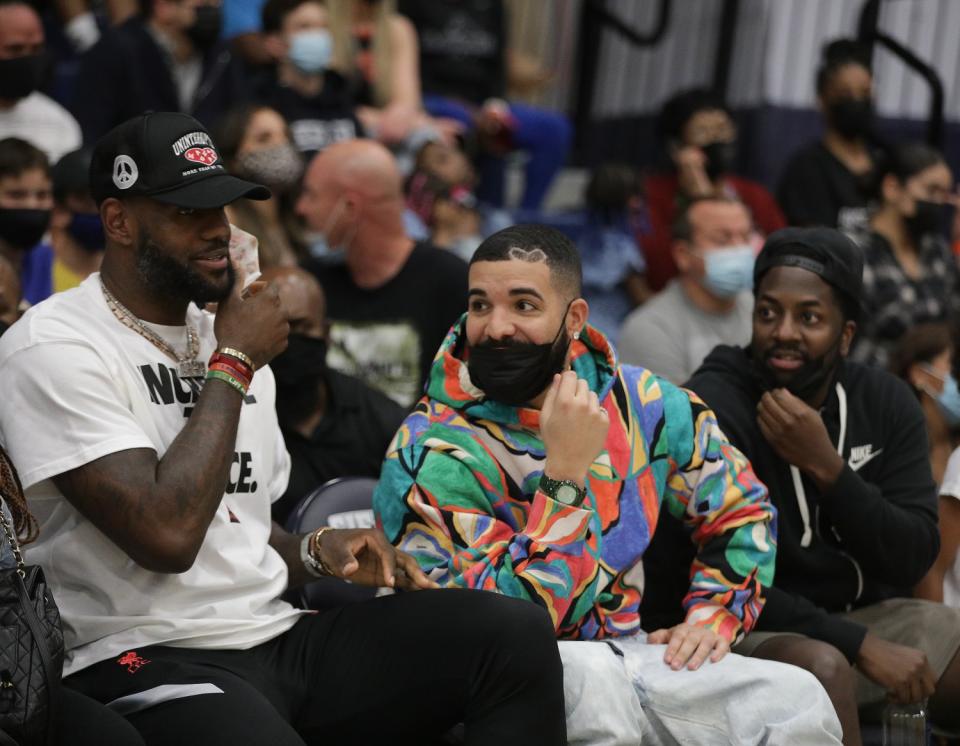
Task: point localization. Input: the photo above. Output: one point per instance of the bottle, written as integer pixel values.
(905, 725)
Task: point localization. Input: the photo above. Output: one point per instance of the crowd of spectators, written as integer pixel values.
(713, 423)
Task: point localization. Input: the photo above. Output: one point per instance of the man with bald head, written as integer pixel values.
(391, 300)
(334, 425)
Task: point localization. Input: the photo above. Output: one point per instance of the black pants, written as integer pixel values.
(395, 670)
(88, 723)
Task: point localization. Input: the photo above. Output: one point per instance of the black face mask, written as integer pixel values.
(720, 158)
(23, 228)
(515, 373)
(297, 369)
(21, 76)
(927, 218)
(205, 30)
(808, 379)
(851, 117)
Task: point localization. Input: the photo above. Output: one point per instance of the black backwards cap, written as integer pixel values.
(168, 157)
(824, 251)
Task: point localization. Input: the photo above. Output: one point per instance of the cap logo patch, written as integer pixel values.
(125, 172)
(204, 156)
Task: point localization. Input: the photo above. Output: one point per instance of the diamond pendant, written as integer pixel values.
(191, 369)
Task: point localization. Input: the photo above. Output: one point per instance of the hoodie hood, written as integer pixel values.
(592, 357)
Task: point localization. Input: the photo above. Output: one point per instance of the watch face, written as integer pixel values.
(567, 494)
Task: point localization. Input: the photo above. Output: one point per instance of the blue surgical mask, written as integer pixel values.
(729, 270)
(310, 51)
(949, 398)
(87, 230)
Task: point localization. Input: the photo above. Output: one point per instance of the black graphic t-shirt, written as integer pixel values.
(462, 47)
(388, 336)
(317, 121)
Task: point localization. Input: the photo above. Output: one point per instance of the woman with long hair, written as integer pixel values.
(910, 275)
(255, 143)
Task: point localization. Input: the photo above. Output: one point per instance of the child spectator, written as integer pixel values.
(701, 139)
(924, 359)
(829, 182)
(26, 200)
(76, 233)
(255, 143)
(304, 86)
(910, 275)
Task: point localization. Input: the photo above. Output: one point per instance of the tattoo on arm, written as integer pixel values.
(158, 511)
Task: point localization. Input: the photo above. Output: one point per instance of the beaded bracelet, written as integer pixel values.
(241, 356)
(228, 379)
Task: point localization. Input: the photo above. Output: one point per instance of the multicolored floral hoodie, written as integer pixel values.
(459, 491)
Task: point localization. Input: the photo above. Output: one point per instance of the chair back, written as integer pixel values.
(346, 502)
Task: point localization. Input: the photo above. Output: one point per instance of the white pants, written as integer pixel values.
(633, 698)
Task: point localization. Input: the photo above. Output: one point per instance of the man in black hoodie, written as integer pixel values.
(842, 448)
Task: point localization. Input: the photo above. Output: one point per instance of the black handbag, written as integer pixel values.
(31, 652)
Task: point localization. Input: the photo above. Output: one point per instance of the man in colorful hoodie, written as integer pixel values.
(536, 467)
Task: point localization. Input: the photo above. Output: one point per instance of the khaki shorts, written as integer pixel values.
(924, 625)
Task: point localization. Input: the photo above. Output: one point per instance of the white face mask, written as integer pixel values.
(320, 245)
(728, 270)
(310, 51)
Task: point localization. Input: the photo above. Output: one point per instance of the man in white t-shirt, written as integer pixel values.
(25, 112)
(708, 304)
(152, 479)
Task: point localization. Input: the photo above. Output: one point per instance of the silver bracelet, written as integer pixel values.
(312, 563)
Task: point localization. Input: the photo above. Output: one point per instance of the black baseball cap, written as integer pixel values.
(168, 157)
(824, 251)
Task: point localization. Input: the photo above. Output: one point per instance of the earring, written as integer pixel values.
(576, 335)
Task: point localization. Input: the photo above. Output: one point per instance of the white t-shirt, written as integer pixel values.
(42, 122)
(78, 385)
(951, 488)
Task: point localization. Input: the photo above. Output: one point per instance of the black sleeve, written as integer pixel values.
(889, 524)
(786, 612)
(99, 80)
(803, 193)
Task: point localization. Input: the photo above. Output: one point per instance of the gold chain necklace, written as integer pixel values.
(187, 364)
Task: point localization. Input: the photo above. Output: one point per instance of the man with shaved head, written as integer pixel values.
(334, 425)
(391, 300)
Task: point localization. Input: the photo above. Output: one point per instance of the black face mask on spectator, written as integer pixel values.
(21, 76)
(928, 217)
(297, 369)
(851, 117)
(515, 373)
(205, 30)
(22, 228)
(720, 158)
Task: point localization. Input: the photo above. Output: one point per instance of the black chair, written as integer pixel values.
(341, 503)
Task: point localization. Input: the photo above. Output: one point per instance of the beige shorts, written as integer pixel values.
(924, 625)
